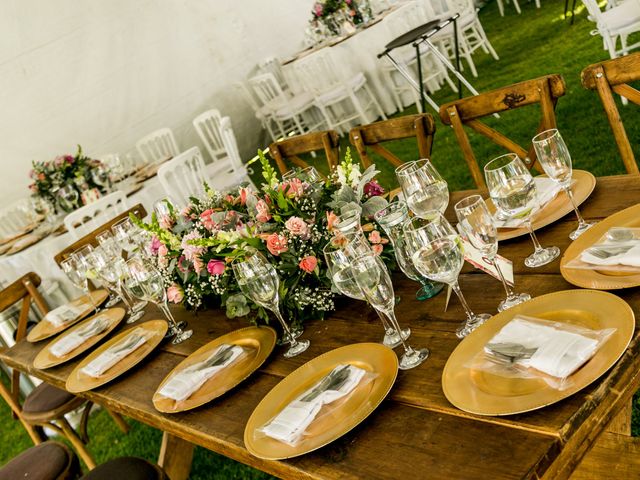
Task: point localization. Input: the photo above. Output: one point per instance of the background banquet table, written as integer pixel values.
(416, 429)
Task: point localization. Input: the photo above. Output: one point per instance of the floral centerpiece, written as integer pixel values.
(329, 11)
(290, 222)
(64, 170)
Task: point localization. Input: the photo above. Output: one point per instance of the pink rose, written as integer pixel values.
(207, 220)
(332, 219)
(175, 294)
(277, 244)
(293, 188)
(297, 226)
(162, 250)
(308, 264)
(215, 267)
(155, 245)
(374, 237)
(318, 9)
(69, 158)
(377, 249)
(263, 211)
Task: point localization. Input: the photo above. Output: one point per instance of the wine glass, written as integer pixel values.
(80, 271)
(423, 188)
(112, 270)
(349, 219)
(372, 276)
(259, 281)
(123, 232)
(478, 226)
(513, 192)
(393, 219)
(555, 159)
(146, 283)
(421, 235)
(340, 271)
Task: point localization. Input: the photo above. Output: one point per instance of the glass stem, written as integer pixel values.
(88, 292)
(507, 289)
(569, 193)
(167, 313)
(456, 288)
(118, 289)
(391, 315)
(276, 311)
(536, 245)
(385, 324)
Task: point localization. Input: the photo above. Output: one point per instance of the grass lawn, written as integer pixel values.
(536, 43)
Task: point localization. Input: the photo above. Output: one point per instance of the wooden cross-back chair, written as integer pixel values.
(420, 126)
(90, 238)
(286, 152)
(614, 76)
(46, 405)
(468, 111)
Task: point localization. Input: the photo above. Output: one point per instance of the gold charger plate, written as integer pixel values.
(259, 343)
(79, 381)
(363, 400)
(483, 393)
(45, 359)
(584, 183)
(601, 279)
(45, 329)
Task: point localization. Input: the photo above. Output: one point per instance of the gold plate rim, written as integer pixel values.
(551, 211)
(43, 360)
(593, 278)
(312, 371)
(462, 392)
(39, 332)
(77, 384)
(267, 339)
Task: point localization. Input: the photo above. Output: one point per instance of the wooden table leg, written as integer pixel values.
(175, 457)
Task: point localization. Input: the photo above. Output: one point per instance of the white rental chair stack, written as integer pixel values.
(157, 146)
(216, 132)
(400, 21)
(183, 176)
(88, 218)
(617, 22)
(343, 102)
(290, 113)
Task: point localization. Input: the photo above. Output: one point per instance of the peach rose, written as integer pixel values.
(332, 219)
(297, 226)
(374, 237)
(377, 249)
(175, 294)
(277, 244)
(308, 264)
(263, 211)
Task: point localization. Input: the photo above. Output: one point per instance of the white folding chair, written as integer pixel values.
(617, 22)
(88, 218)
(262, 113)
(272, 65)
(183, 176)
(216, 132)
(157, 146)
(334, 94)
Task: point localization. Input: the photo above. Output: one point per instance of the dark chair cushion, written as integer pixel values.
(44, 398)
(47, 461)
(131, 468)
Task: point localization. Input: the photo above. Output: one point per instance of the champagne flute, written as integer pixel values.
(478, 226)
(423, 187)
(513, 192)
(259, 281)
(373, 278)
(340, 271)
(147, 284)
(555, 159)
(421, 235)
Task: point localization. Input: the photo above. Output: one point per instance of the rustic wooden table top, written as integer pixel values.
(416, 429)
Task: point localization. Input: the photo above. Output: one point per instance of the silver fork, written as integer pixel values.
(333, 381)
(128, 344)
(604, 252)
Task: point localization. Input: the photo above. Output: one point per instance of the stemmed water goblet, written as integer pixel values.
(340, 270)
(259, 281)
(373, 278)
(79, 270)
(147, 284)
(436, 252)
(513, 192)
(555, 159)
(423, 187)
(477, 224)
(123, 232)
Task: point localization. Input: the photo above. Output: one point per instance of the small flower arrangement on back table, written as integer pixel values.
(289, 221)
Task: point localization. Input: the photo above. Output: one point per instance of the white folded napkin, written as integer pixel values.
(115, 353)
(546, 190)
(559, 352)
(63, 314)
(629, 258)
(72, 341)
(290, 424)
(184, 383)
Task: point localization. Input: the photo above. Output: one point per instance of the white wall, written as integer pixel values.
(103, 73)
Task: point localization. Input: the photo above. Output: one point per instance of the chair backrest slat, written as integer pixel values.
(544, 91)
(184, 175)
(157, 146)
(90, 216)
(287, 151)
(614, 76)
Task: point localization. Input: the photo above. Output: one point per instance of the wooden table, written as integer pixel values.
(416, 431)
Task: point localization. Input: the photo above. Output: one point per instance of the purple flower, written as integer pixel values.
(373, 189)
